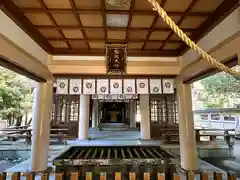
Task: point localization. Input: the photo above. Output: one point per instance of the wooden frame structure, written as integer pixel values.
(119, 175)
(82, 27)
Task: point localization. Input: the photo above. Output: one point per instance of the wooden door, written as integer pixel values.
(65, 113)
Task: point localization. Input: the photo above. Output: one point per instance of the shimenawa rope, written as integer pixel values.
(189, 42)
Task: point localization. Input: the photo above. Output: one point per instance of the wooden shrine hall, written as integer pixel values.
(126, 63)
(115, 102)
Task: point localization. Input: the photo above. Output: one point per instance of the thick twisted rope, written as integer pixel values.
(189, 42)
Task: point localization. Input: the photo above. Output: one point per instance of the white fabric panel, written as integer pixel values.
(94, 96)
(62, 86)
(75, 86)
(168, 86)
(120, 96)
(102, 86)
(114, 96)
(129, 86)
(89, 86)
(155, 86)
(128, 96)
(116, 86)
(108, 96)
(142, 86)
(100, 96)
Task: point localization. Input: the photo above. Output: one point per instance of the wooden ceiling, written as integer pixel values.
(81, 26)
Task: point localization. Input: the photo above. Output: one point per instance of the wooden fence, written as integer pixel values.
(118, 176)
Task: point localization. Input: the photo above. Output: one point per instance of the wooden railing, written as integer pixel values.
(119, 176)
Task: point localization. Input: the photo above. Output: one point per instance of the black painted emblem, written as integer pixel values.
(62, 85)
(115, 85)
(75, 89)
(103, 89)
(129, 89)
(142, 85)
(167, 85)
(155, 89)
(89, 85)
(108, 96)
(121, 96)
(94, 96)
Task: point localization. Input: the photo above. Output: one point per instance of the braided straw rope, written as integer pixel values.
(188, 41)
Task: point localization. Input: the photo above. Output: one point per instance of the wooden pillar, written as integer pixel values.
(41, 126)
(145, 117)
(188, 153)
(84, 116)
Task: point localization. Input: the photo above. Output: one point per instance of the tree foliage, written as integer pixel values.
(15, 93)
(219, 90)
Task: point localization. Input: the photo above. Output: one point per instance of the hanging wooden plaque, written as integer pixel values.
(116, 55)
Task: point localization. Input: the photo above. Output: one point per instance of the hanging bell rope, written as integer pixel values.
(189, 42)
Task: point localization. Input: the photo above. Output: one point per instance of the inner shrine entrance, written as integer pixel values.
(114, 112)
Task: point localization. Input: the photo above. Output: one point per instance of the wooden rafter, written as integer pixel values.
(104, 19)
(130, 19)
(43, 34)
(109, 40)
(179, 22)
(215, 18)
(90, 11)
(79, 22)
(108, 28)
(52, 20)
(153, 26)
(11, 10)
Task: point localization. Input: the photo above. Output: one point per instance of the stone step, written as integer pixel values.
(113, 125)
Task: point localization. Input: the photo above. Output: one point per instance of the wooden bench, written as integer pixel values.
(59, 137)
(15, 137)
(12, 134)
(59, 134)
(171, 137)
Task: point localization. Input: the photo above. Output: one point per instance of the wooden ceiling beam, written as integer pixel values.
(130, 19)
(73, 5)
(104, 19)
(84, 11)
(108, 28)
(11, 10)
(194, 2)
(109, 40)
(42, 3)
(153, 25)
(101, 52)
(225, 9)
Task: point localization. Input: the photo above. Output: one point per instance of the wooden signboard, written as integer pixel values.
(116, 55)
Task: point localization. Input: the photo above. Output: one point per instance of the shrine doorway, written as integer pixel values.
(114, 112)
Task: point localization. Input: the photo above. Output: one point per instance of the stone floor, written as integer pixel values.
(107, 138)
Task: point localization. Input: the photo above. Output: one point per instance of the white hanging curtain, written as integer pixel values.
(62, 86)
(75, 86)
(142, 86)
(168, 86)
(116, 86)
(155, 86)
(102, 86)
(89, 86)
(129, 86)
